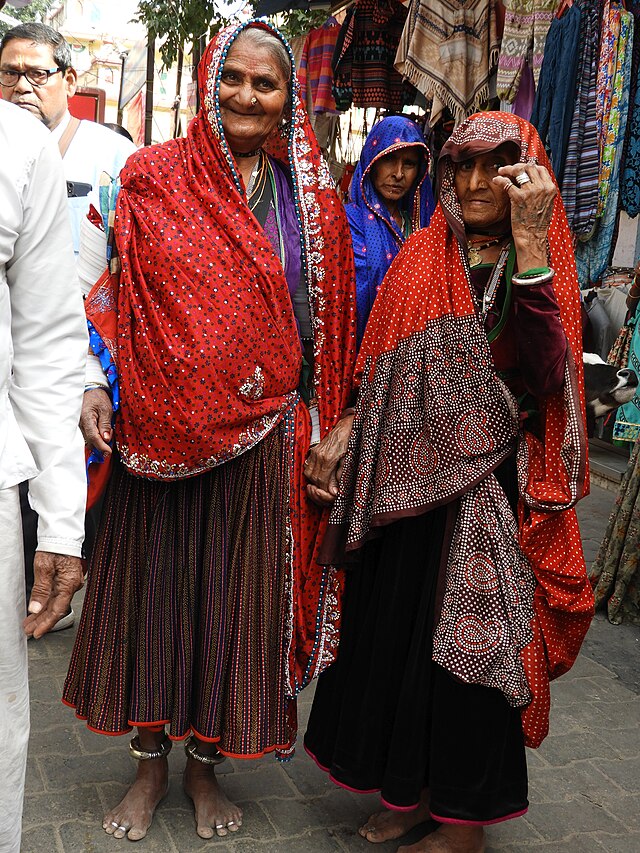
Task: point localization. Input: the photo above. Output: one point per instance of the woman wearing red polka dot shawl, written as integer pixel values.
(466, 458)
(206, 611)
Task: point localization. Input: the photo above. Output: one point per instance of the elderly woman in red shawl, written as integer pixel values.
(206, 610)
(466, 458)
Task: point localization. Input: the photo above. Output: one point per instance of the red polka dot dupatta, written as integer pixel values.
(208, 353)
(432, 423)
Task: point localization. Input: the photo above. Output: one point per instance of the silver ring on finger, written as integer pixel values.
(522, 179)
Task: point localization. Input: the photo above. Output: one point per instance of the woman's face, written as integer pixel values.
(251, 73)
(484, 204)
(393, 175)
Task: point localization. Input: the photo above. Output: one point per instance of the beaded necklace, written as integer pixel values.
(474, 247)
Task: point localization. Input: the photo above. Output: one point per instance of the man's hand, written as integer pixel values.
(56, 579)
(95, 420)
(324, 463)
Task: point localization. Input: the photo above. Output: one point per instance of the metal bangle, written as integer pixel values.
(136, 751)
(191, 748)
(534, 279)
(94, 386)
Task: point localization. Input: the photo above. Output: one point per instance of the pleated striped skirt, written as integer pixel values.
(185, 620)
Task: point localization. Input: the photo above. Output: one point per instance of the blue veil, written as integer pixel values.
(376, 238)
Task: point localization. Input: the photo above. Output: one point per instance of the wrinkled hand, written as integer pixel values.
(324, 463)
(531, 211)
(95, 420)
(56, 579)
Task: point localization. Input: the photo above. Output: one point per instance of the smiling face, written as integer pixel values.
(48, 103)
(251, 72)
(395, 173)
(485, 206)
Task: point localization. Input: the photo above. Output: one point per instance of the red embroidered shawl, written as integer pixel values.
(207, 350)
(433, 420)
(202, 330)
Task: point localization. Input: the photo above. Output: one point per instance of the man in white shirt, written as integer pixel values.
(36, 74)
(87, 148)
(43, 346)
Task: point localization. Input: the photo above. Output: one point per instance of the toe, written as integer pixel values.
(221, 830)
(136, 833)
(205, 831)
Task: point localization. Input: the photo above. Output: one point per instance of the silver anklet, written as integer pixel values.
(191, 748)
(136, 751)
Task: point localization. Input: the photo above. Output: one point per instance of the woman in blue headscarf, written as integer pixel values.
(390, 199)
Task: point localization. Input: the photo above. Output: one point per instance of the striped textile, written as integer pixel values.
(315, 66)
(582, 164)
(195, 634)
(593, 257)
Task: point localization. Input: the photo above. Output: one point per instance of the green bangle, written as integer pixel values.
(535, 271)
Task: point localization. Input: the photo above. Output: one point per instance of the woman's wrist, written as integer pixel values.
(533, 276)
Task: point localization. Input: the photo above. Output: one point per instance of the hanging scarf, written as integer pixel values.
(202, 332)
(594, 256)
(630, 166)
(526, 24)
(582, 164)
(448, 51)
(434, 421)
(376, 236)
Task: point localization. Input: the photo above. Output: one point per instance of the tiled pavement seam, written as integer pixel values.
(584, 780)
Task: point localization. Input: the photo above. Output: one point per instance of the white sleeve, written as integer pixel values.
(49, 336)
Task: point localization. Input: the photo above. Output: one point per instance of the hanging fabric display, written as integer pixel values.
(315, 66)
(608, 89)
(555, 97)
(448, 51)
(366, 47)
(630, 167)
(582, 166)
(593, 257)
(526, 25)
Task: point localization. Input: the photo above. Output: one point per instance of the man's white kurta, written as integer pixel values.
(43, 345)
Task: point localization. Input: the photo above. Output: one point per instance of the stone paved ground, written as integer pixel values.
(585, 780)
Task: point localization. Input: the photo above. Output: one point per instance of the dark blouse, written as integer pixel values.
(531, 349)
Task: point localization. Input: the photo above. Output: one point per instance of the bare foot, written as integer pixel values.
(133, 815)
(215, 814)
(389, 824)
(450, 838)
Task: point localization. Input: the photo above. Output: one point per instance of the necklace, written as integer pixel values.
(247, 154)
(257, 183)
(474, 247)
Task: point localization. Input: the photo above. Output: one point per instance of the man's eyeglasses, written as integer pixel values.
(35, 76)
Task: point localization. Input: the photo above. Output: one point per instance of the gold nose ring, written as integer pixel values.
(254, 101)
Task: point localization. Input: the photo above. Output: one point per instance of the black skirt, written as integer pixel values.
(386, 718)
